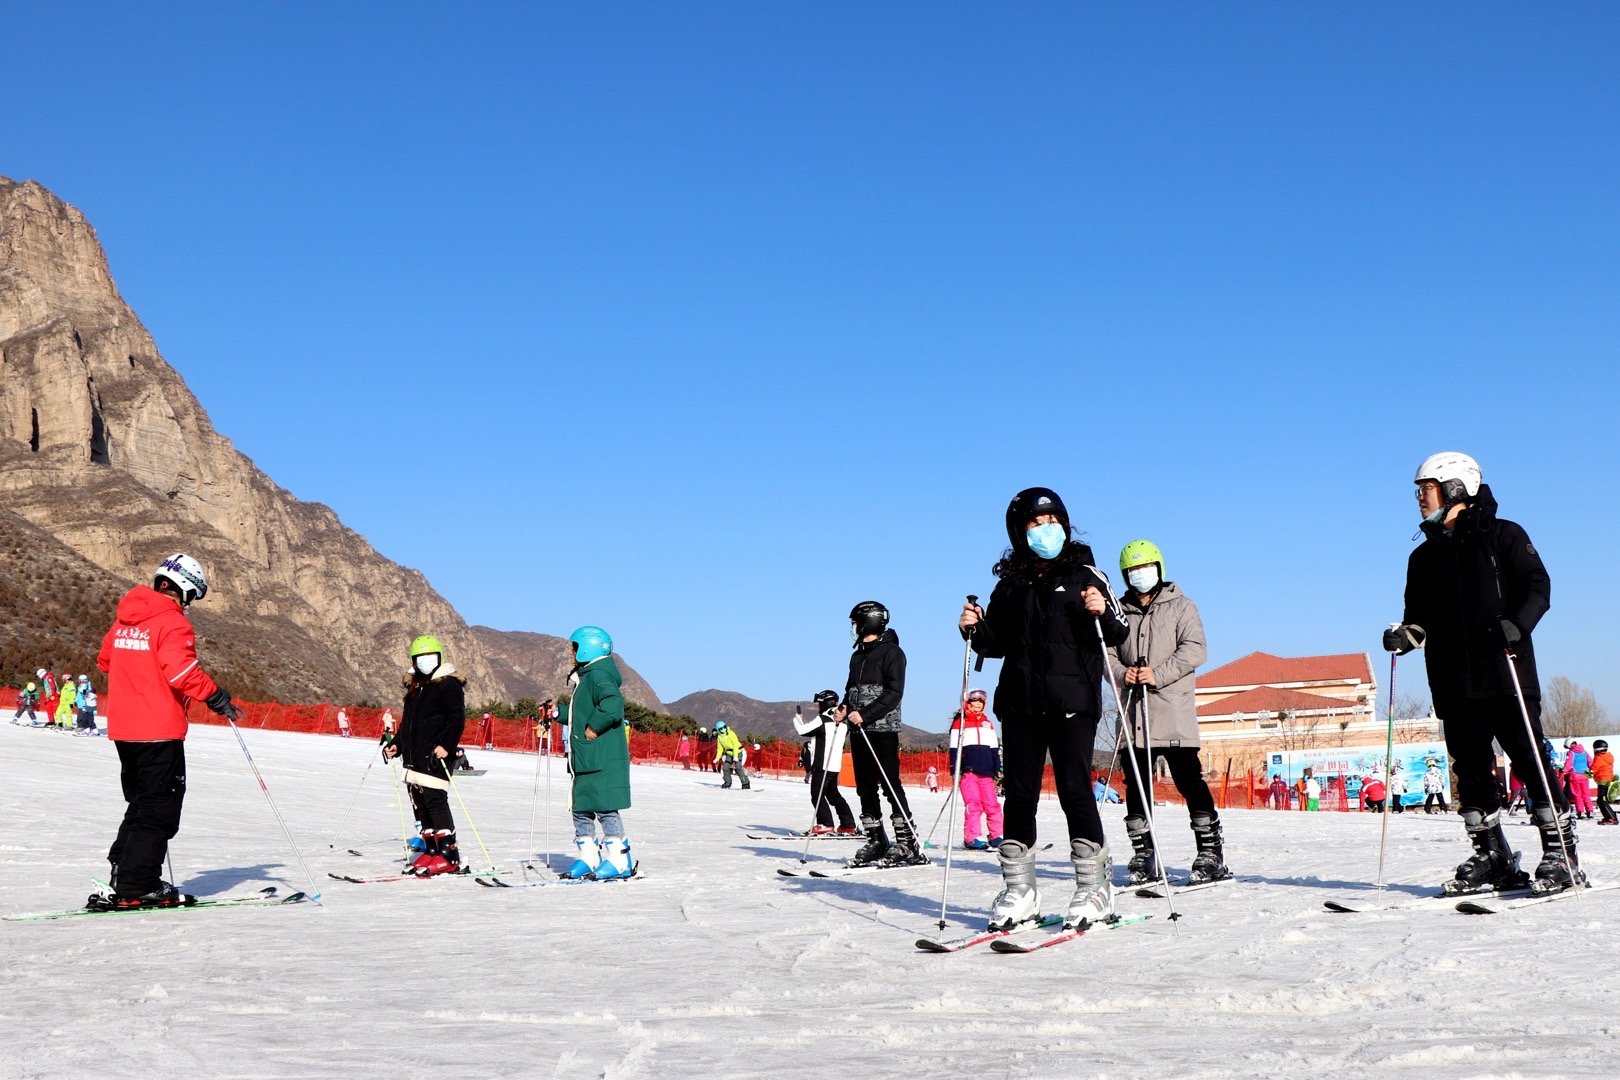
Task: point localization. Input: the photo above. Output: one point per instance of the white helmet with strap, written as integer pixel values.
(1457, 474)
(186, 574)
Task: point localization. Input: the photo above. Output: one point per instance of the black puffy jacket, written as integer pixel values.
(435, 713)
(1459, 585)
(1051, 658)
(877, 681)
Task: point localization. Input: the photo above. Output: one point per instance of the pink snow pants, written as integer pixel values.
(1580, 790)
(979, 801)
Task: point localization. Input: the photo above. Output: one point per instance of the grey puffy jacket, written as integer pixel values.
(1168, 636)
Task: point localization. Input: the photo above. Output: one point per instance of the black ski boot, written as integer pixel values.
(906, 851)
(1209, 864)
(1559, 868)
(1144, 864)
(876, 846)
(164, 896)
(1493, 865)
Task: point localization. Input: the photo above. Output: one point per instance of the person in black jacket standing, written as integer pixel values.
(877, 681)
(429, 731)
(1043, 620)
(1475, 590)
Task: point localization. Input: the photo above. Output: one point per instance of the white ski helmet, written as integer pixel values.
(187, 575)
(1456, 473)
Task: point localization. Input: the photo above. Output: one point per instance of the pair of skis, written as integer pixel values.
(1018, 939)
(1478, 902)
(266, 897)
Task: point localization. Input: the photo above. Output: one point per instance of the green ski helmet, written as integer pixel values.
(1140, 553)
(592, 643)
(426, 645)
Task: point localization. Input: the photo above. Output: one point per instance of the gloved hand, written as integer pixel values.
(1509, 632)
(220, 702)
(1402, 639)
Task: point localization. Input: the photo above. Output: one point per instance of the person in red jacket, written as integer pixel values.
(150, 657)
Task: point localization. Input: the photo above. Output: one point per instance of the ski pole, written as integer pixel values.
(956, 779)
(344, 820)
(1130, 758)
(314, 893)
(1389, 761)
(1541, 762)
(489, 860)
(935, 826)
(399, 802)
(1147, 738)
(883, 775)
(534, 796)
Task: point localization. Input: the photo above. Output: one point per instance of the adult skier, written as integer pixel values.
(1164, 647)
(150, 657)
(974, 736)
(729, 755)
(877, 682)
(1043, 621)
(826, 734)
(1475, 590)
(430, 726)
(1603, 777)
(598, 758)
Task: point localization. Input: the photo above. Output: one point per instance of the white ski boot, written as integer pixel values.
(588, 859)
(1093, 900)
(1019, 901)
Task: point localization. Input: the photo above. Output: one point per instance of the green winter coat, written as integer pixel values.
(601, 766)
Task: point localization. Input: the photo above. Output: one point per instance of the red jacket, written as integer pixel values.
(150, 657)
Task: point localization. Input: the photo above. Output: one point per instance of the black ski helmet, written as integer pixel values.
(826, 701)
(868, 617)
(1031, 503)
(1600, 746)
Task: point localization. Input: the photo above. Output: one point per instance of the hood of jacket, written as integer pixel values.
(144, 603)
(1477, 517)
(888, 637)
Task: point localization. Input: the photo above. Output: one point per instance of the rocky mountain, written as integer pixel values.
(108, 463)
(767, 718)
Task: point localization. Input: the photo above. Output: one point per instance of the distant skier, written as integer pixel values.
(27, 698)
(683, 751)
(974, 737)
(150, 657)
(729, 755)
(343, 722)
(48, 692)
(84, 704)
(1603, 777)
(872, 694)
(67, 713)
(1577, 782)
(1434, 788)
(1164, 647)
(430, 727)
(1475, 590)
(598, 758)
(1043, 620)
(826, 748)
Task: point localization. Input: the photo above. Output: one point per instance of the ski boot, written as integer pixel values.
(1208, 864)
(976, 844)
(1144, 864)
(905, 851)
(1093, 900)
(426, 846)
(876, 846)
(848, 830)
(449, 852)
(1493, 866)
(1019, 901)
(164, 896)
(615, 859)
(1559, 868)
(589, 857)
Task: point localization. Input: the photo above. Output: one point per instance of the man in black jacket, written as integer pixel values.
(1475, 590)
(877, 680)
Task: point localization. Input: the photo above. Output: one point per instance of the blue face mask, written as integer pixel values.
(1047, 540)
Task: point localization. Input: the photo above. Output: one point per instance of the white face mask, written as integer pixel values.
(1144, 578)
(427, 663)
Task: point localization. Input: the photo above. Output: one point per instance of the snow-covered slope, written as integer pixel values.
(713, 965)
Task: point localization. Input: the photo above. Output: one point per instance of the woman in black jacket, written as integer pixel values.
(429, 731)
(1043, 620)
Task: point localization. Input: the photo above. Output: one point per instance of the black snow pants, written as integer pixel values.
(1470, 726)
(153, 775)
(876, 755)
(1185, 769)
(827, 798)
(1025, 741)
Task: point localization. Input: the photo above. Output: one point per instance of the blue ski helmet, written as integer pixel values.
(592, 643)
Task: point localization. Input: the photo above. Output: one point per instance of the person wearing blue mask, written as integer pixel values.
(1048, 618)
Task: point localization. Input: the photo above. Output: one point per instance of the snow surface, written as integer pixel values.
(713, 965)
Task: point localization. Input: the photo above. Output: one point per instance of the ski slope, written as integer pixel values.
(713, 965)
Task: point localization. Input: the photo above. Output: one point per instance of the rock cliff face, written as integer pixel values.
(104, 450)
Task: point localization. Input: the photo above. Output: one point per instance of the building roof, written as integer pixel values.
(1274, 701)
(1264, 669)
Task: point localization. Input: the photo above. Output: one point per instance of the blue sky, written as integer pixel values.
(704, 322)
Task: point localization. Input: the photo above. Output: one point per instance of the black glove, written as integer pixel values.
(220, 702)
(1509, 632)
(1402, 639)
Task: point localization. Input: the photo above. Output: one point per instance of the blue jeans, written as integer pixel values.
(585, 823)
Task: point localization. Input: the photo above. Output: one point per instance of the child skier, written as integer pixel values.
(430, 726)
(598, 758)
(27, 698)
(729, 755)
(85, 704)
(974, 736)
(826, 748)
(877, 681)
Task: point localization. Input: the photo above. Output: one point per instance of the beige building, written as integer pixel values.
(1262, 703)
